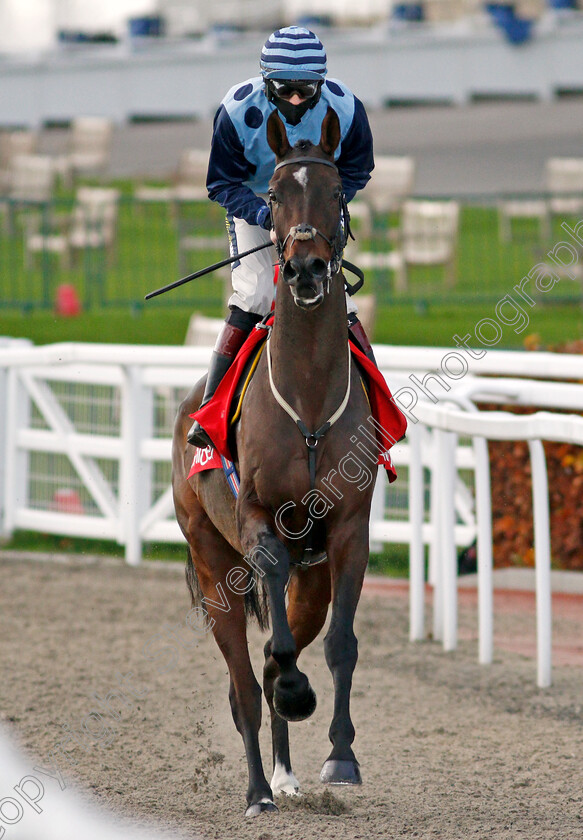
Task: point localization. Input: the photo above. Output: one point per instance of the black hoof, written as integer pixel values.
(294, 700)
(335, 772)
(264, 806)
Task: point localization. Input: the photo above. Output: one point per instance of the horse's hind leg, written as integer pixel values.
(309, 596)
(214, 558)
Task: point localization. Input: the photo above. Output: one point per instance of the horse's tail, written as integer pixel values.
(256, 605)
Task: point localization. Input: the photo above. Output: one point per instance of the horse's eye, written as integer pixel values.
(337, 193)
(272, 197)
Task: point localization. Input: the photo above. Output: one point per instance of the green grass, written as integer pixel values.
(60, 544)
(147, 257)
(406, 324)
(394, 562)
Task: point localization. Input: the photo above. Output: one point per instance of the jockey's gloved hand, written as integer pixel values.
(263, 217)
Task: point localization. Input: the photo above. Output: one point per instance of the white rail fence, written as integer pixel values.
(86, 430)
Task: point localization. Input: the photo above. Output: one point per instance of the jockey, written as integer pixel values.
(293, 81)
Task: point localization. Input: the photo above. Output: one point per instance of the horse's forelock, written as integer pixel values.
(304, 146)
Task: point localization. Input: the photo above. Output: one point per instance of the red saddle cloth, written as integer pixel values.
(388, 427)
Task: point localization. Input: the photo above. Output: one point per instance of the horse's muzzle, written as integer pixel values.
(306, 276)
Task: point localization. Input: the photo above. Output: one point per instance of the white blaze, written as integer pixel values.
(301, 177)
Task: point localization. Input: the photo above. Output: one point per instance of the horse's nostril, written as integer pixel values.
(319, 268)
(290, 271)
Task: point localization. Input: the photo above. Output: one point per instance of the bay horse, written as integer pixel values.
(299, 414)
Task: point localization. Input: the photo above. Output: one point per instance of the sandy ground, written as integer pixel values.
(448, 749)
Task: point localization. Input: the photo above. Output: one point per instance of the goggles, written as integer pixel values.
(284, 89)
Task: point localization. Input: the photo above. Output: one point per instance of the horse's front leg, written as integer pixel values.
(348, 555)
(293, 696)
(308, 597)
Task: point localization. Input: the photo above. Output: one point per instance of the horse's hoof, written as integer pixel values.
(263, 806)
(335, 772)
(293, 703)
(284, 781)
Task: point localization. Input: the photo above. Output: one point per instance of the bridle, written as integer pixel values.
(301, 231)
(306, 231)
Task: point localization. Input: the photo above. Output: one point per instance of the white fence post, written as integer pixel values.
(16, 471)
(448, 558)
(5, 425)
(416, 547)
(484, 551)
(542, 559)
(435, 576)
(377, 508)
(135, 472)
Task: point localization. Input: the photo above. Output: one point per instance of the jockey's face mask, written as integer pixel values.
(280, 91)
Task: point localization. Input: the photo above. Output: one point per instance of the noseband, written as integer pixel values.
(305, 231)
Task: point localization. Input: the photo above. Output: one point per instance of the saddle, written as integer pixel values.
(218, 416)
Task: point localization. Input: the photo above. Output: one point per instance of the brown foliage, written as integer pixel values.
(512, 496)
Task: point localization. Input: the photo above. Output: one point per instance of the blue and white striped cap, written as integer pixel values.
(293, 53)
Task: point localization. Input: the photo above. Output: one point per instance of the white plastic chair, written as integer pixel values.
(392, 181)
(523, 208)
(564, 179)
(428, 235)
(89, 148)
(188, 182)
(31, 183)
(94, 219)
(46, 234)
(13, 144)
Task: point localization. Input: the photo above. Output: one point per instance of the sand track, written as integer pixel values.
(448, 749)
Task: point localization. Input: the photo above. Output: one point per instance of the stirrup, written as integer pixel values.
(228, 344)
(198, 437)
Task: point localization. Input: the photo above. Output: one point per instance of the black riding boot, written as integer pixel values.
(232, 337)
(359, 334)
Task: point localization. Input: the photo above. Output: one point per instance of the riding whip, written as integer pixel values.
(351, 289)
(204, 271)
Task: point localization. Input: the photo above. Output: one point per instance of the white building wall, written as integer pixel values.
(186, 17)
(340, 10)
(26, 25)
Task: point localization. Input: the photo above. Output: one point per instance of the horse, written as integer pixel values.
(300, 525)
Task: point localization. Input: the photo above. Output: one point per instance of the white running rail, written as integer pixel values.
(85, 438)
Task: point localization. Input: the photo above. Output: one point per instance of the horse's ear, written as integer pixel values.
(330, 132)
(277, 136)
